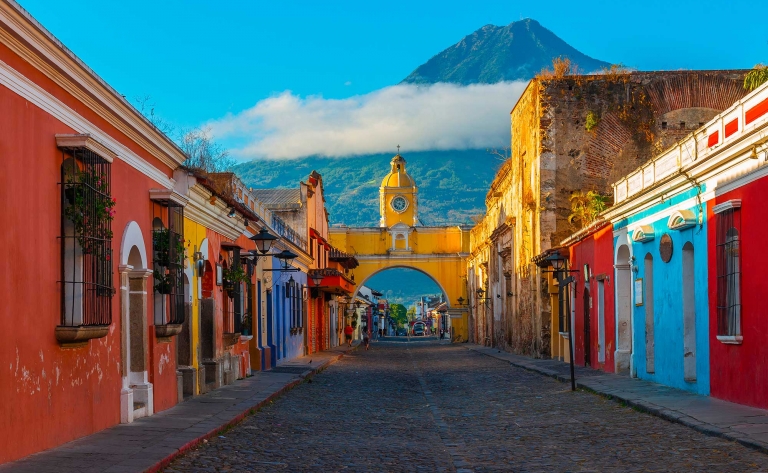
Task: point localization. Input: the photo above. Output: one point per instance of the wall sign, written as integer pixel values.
(638, 292)
(665, 248)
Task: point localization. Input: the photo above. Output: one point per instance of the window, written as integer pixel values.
(728, 271)
(168, 253)
(87, 210)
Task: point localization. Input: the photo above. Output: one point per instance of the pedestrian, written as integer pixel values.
(348, 331)
(366, 340)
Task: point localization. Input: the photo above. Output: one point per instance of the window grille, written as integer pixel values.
(168, 263)
(87, 209)
(728, 272)
(233, 293)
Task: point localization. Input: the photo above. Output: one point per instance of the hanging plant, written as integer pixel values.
(232, 276)
(164, 281)
(90, 208)
(162, 246)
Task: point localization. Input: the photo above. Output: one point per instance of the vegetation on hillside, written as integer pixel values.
(452, 184)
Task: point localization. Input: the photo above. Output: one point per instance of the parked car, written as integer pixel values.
(401, 332)
(418, 330)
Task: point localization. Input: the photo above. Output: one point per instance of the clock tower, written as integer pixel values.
(398, 197)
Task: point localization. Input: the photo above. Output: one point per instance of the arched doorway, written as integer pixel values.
(623, 270)
(136, 395)
(415, 290)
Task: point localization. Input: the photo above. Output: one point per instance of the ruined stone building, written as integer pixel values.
(569, 134)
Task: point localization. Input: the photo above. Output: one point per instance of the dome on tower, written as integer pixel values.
(397, 177)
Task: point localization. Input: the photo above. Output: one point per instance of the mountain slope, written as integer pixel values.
(452, 184)
(493, 54)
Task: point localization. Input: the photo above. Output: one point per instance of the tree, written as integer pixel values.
(146, 107)
(586, 206)
(398, 313)
(756, 77)
(204, 154)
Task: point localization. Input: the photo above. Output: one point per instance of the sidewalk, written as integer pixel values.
(151, 443)
(743, 424)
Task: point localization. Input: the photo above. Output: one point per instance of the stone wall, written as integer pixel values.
(576, 133)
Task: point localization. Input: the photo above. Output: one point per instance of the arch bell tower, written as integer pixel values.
(398, 197)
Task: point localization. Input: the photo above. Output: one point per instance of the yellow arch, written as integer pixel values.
(439, 252)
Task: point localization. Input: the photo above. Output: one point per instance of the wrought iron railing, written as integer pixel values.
(86, 240)
(285, 231)
(168, 265)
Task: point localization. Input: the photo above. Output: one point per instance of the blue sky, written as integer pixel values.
(200, 60)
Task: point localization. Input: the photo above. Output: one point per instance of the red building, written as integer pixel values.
(737, 261)
(591, 255)
(80, 165)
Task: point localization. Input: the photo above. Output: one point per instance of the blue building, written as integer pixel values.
(660, 261)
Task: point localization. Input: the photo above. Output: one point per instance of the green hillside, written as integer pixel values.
(452, 184)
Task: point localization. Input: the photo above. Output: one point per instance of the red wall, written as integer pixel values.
(50, 395)
(739, 373)
(595, 250)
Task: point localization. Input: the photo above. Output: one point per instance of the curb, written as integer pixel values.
(240, 417)
(644, 406)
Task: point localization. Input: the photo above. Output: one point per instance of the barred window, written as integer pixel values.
(728, 269)
(168, 252)
(87, 210)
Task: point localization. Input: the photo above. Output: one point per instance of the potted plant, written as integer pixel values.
(90, 207)
(233, 276)
(246, 329)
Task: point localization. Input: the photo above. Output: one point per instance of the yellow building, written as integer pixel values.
(400, 242)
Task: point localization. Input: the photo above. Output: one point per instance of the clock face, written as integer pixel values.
(399, 204)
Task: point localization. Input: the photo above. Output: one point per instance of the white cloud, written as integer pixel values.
(349, 82)
(436, 117)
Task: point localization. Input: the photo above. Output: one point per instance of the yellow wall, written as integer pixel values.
(194, 234)
(440, 252)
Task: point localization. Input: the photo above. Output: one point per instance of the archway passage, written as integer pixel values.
(413, 297)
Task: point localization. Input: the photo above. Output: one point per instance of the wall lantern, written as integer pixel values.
(197, 256)
(286, 257)
(231, 213)
(317, 278)
(263, 241)
(557, 261)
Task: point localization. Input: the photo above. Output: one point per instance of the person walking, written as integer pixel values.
(348, 331)
(366, 340)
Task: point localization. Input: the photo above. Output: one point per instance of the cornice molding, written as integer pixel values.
(85, 141)
(31, 41)
(727, 205)
(168, 195)
(200, 211)
(36, 95)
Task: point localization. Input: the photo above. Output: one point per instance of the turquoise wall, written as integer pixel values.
(668, 306)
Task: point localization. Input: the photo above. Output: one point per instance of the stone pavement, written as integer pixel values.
(746, 425)
(150, 443)
(433, 407)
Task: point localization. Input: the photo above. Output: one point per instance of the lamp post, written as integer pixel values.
(558, 267)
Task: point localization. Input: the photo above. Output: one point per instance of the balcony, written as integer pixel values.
(333, 282)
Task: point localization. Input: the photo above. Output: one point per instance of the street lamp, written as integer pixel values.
(558, 265)
(263, 241)
(286, 257)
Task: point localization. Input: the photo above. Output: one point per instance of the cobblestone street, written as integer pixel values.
(423, 406)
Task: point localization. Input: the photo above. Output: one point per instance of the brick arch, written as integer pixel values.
(608, 140)
(708, 89)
